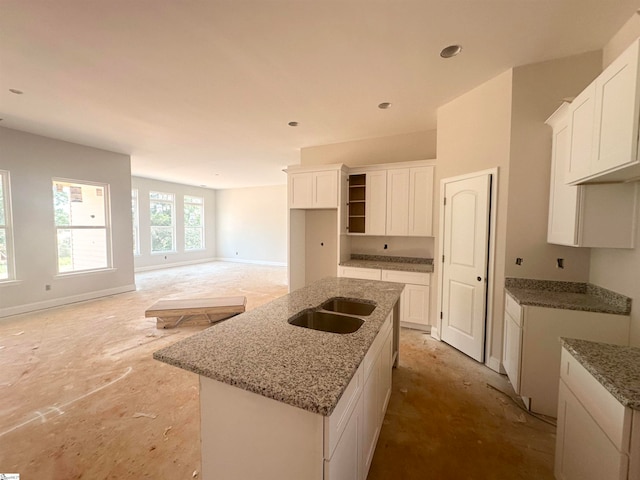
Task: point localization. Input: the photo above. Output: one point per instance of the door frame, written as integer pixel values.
(491, 362)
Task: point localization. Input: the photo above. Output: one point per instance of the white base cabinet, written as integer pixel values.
(245, 435)
(531, 349)
(595, 438)
(415, 298)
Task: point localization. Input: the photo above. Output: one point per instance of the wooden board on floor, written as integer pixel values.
(195, 311)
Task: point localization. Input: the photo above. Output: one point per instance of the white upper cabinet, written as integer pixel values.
(376, 203)
(586, 215)
(410, 201)
(314, 188)
(604, 124)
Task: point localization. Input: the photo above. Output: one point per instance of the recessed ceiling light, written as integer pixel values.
(384, 105)
(17, 92)
(293, 124)
(450, 51)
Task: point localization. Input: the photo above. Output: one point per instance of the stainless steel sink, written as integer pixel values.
(349, 306)
(326, 321)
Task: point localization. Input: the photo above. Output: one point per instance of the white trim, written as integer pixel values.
(255, 262)
(10, 283)
(390, 166)
(58, 302)
(491, 362)
(148, 268)
(81, 273)
(416, 326)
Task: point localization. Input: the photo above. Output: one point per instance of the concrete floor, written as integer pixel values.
(83, 398)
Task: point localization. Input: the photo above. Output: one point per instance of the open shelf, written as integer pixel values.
(357, 203)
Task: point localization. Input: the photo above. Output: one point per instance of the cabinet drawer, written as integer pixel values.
(415, 278)
(335, 424)
(513, 309)
(610, 415)
(372, 353)
(361, 273)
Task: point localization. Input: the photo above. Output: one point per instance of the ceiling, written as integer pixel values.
(201, 91)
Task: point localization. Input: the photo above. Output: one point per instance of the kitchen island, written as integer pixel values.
(283, 401)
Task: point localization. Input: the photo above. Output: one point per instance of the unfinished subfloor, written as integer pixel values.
(81, 396)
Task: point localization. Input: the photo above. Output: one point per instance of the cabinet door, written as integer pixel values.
(386, 357)
(416, 304)
(420, 201)
(300, 190)
(582, 119)
(563, 199)
(583, 450)
(346, 461)
(398, 181)
(617, 111)
(512, 350)
(371, 424)
(325, 189)
(376, 203)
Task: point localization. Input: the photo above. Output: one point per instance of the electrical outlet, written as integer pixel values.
(519, 261)
(560, 263)
(47, 287)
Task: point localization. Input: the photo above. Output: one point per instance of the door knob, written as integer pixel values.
(479, 279)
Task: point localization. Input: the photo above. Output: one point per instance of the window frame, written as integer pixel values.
(135, 214)
(202, 221)
(7, 226)
(107, 226)
(171, 202)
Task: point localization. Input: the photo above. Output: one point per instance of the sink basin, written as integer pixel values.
(349, 306)
(326, 321)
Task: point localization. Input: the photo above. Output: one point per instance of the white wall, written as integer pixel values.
(32, 162)
(146, 259)
(618, 269)
(395, 148)
(252, 224)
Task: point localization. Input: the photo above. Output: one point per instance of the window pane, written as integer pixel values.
(4, 267)
(192, 215)
(161, 214)
(2, 215)
(161, 239)
(82, 249)
(161, 196)
(190, 199)
(78, 204)
(192, 238)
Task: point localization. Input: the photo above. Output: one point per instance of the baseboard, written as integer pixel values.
(149, 268)
(495, 364)
(416, 326)
(435, 334)
(255, 262)
(58, 302)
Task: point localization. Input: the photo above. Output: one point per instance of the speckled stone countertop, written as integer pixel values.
(261, 352)
(616, 367)
(404, 264)
(567, 295)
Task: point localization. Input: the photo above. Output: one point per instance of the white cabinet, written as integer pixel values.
(361, 273)
(585, 215)
(410, 201)
(604, 124)
(313, 189)
(595, 438)
(414, 301)
(531, 355)
(376, 203)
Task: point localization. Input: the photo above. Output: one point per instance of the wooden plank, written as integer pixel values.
(197, 306)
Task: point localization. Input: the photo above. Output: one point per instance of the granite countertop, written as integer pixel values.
(616, 367)
(567, 295)
(261, 352)
(404, 264)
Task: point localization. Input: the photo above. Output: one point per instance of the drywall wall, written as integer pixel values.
(538, 90)
(395, 246)
(251, 224)
(149, 261)
(321, 244)
(474, 135)
(32, 162)
(396, 148)
(617, 269)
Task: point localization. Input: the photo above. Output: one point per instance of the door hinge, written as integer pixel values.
(445, 201)
(440, 315)
(442, 258)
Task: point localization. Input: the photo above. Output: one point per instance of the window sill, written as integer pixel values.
(163, 253)
(195, 250)
(10, 283)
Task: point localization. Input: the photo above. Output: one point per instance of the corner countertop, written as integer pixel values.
(261, 352)
(567, 295)
(382, 262)
(616, 367)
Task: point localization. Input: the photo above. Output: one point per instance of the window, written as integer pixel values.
(82, 226)
(163, 230)
(193, 223)
(6, 237)
(136, 221)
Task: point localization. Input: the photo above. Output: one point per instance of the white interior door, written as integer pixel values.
(465, 240)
